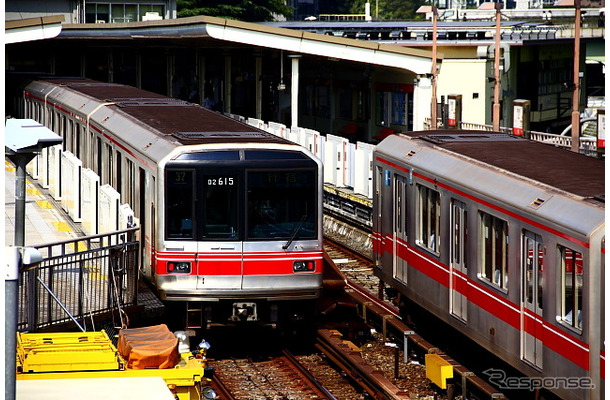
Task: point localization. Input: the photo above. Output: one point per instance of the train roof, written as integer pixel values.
(173, 119)
(564, 170)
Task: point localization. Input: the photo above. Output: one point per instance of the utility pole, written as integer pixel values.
(496, 105)
(576, 94)
(433, 105)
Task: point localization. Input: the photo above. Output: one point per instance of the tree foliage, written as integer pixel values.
(268, 10)
(389, 9)
(243, 10)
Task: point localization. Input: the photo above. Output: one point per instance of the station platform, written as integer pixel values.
(47, 222)
(44, 221)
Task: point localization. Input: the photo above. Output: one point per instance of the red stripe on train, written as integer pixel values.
(479, 294)
(214, 263)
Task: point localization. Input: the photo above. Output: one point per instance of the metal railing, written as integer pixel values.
(587, 145)
(78, 280)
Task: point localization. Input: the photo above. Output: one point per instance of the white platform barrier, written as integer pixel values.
(313, 141)
(43, 168)
(109, 200)
(335, 157)
(257, 123)
(89, 198)
(363, 169)
(71, 185)
(33, 167)
(293, 134)
(277, 129)
(126, 217)
(349, 174)
(54, 176)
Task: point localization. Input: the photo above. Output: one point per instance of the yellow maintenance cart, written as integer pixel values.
(89, 362)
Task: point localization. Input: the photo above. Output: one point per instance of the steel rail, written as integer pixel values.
(346, 356)
(221, 389)
(321, 390)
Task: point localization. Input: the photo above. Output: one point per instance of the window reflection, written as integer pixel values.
(179, 204)
(281, 204)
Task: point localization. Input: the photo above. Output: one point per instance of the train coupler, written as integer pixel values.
(243, 312)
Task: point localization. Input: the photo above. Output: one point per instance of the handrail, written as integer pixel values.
(82, 283)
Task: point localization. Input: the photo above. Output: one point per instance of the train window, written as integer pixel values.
(400, 197)
(282, 204)
(220, 208)
(110, 165)
(119, 169)
(494, 250)
(129, 182)
(98, 147)
(179, 204)
(77, 141)
(91, 140)
(61, 126)
(533, 258)
(571, 286)
(85, 146)
(429, 218)
(459, 218)
(70, 136)
(51, 120)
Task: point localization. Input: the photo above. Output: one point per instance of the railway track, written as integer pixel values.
(273, 378)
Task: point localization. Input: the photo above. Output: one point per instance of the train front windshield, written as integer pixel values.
(242, 201)
(281, 205)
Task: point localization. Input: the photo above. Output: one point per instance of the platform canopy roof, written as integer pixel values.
(25, 30)
(299, 42)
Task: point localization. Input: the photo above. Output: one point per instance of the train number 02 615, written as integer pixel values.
(221, 181)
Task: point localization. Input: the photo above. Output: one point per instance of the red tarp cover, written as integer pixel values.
(148, 347)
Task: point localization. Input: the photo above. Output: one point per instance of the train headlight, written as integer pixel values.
(178, 267)
(304, 266)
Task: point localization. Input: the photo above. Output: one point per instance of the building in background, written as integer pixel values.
(85, 11)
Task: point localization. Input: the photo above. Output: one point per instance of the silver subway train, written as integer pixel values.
(503, 239)
(230, 216)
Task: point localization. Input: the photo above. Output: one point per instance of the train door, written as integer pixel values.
(531, 304)
(219, 245)
(458, 273)
(399, 251)
(377, 206)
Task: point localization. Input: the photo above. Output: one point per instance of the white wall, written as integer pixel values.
(467, 77)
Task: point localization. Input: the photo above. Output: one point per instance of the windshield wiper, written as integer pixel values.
(296, 230)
